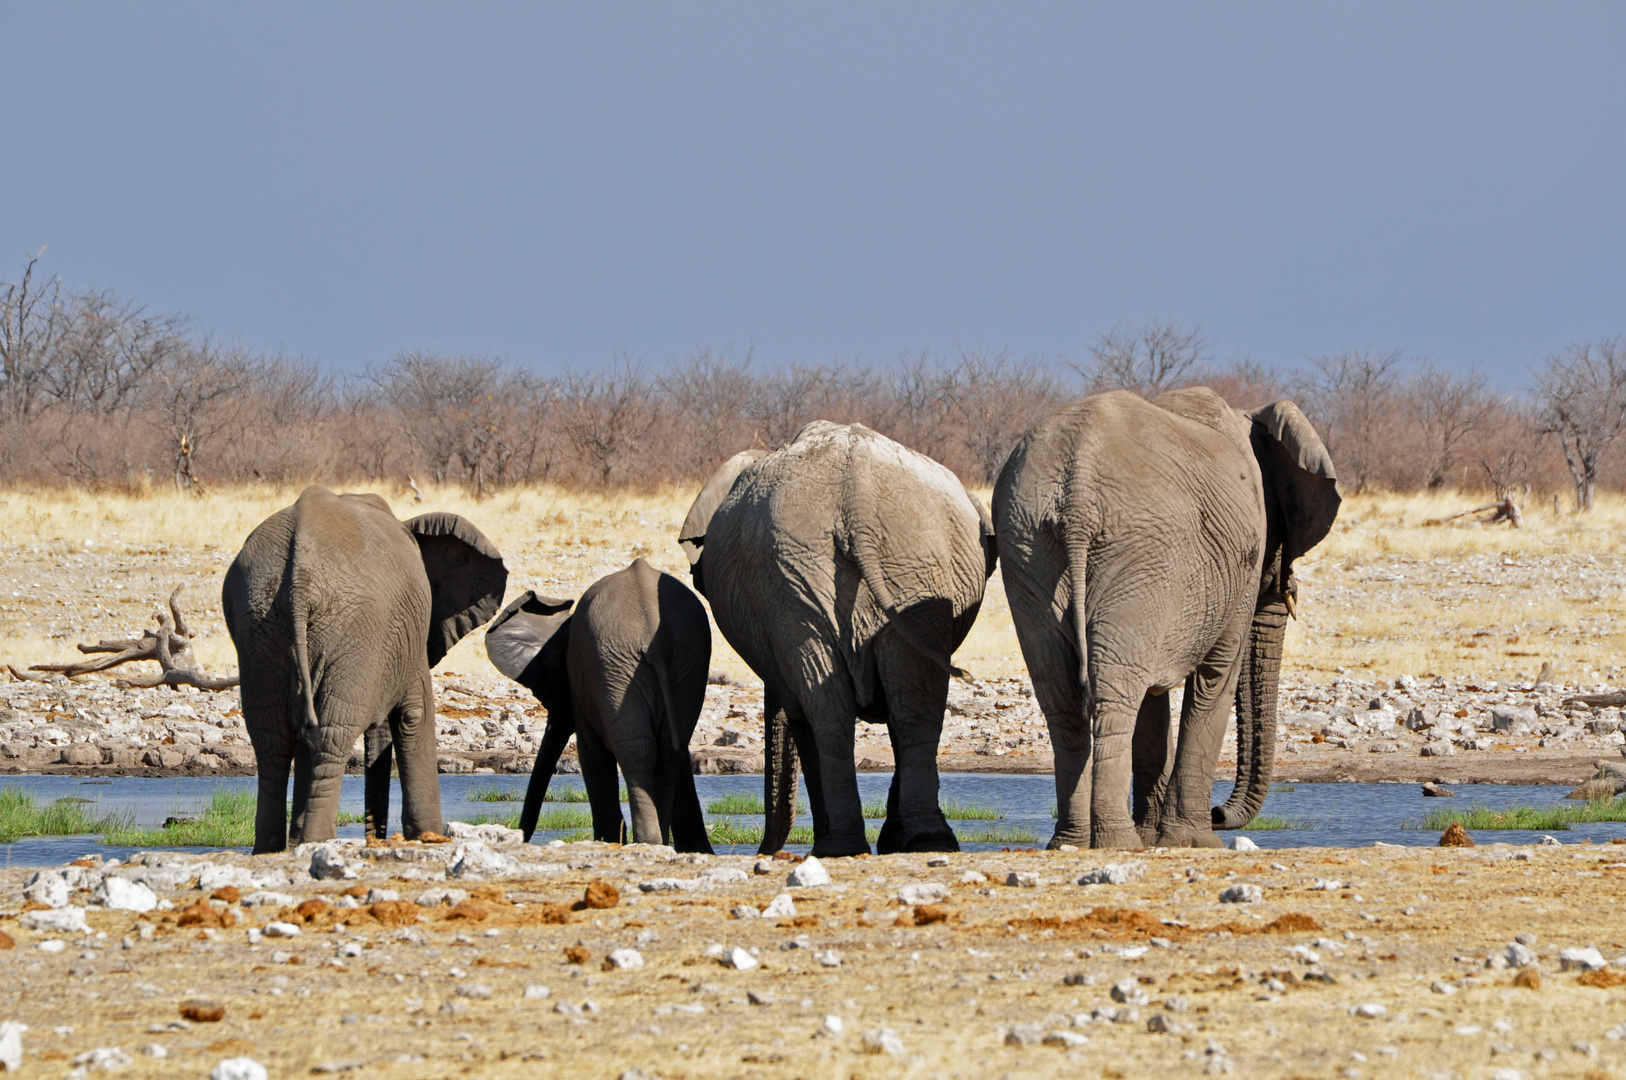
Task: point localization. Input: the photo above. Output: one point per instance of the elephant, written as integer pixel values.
(338, 610)
(845, 569)
(625, 672)
(1146, 544)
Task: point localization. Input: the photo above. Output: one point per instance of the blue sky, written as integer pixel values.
(556, 184)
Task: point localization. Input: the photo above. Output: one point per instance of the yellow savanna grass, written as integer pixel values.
(558, 541)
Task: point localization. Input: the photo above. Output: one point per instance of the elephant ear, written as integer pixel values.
(1298, 473)
(517, 636)
(693, 534)
(466, 578)
(990, 542)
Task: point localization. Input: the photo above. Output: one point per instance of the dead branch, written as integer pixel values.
(1505, 510)
(1594, 701)
(170, 645)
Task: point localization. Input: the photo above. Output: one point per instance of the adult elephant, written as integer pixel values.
(625, 672)
(845, 569)
(338, 611)
(1146, 544)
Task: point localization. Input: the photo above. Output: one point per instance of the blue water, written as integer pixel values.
(1325, 815)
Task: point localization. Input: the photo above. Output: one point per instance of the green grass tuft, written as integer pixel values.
(348, 818)
(554, 820)
(727, 832)
(493, 793)
(227, 820)
(736, 804)
(21, 816)
(1542, 819)
(955, 810)
(1283, 788)
(1001, 834)
(1265, 821)
(875, 811)
(568, 793)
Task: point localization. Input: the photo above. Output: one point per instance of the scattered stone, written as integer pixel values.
(202, 1012)
(927, 892)
(937, 860)
(828, 958)
(740, 960)
(476, 860)
(1068, 1039)
(238, 1069)
(536, 992)
(1024, 1035)
(103, 1059)
(154, 1050)
(1114, 874)
(764, 865)
(441, 897)
(327, 864)
(1550, 841)
(1023, 880)
(1518, 955)
(46, 887)
(66, 920)
(55, 945)
(668, 884)
(120, 894)
(830, 1027)
(489, 833)
(883, 1041)
(724, 875)
(11, 1045)
(1456, 836)
(744, 911)
(971, 877)
(601, 894)
(808, 873)
(1588, 959)
(7, 941)
(1164, 1024)
(474, 991)
(382, 896)
(1129, 992)
(1370, 1010)
(280, 930)
(266, 898)
(1242, 843)
(1242, 894)
(635, 1073)
(1435, 791)
(1443, 988)
(626, 959)
(780, 907)
(577, 954)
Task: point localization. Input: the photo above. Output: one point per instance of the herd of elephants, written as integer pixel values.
(1144, 546)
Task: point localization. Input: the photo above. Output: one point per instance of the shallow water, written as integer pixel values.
(1325, 815)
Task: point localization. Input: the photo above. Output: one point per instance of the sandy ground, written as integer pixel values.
(1351, 964)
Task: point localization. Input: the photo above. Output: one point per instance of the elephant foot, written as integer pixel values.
(1071, 838)
(838, 847)
(1126, 837)
(933, 840)
(1184, 836)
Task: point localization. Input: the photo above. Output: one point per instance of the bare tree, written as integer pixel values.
(707, 395)
(1351, 398)
(30, 321)
(1148, 359)
(606, 417)
(994, 400)
(1581, 399)
(1450, 409)
(188, 403)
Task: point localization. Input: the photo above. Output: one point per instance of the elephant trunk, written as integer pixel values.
(1256, 715)
(554, 739)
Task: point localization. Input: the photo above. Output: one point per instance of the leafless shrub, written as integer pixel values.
(1581, 400)
(1148, 359)
(606, 416)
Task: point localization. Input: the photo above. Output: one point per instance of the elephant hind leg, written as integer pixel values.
(379, 759)
(1153, 762)
(603, 784)
(917, 693)
(687, 822)
(271, 806)
(1187, 818)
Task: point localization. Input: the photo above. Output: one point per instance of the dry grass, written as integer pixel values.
(1386, 592)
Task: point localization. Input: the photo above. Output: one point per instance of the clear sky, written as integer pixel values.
(557, 183)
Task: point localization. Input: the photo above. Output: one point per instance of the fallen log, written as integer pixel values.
(170, 645)
(1596, 701)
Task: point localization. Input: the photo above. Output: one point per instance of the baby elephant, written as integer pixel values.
(625, 672)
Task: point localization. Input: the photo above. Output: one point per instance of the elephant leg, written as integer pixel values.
(1117, 697)
(325, 752)
(603, 783)
(825, 743)
(380, 761)
(1187, 819)
(271, 806)
(916, 695)
(688, 822)
(780, 765)
(419, 763)
(1070, 740)
(297, 819)
(1150, 750)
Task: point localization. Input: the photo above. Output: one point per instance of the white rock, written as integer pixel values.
(66, 920)
(490, 833)
(780, 907)
(1242, 843)
(238, 1069)
(117, 894)
(1129, 992)
(476, 860)
(883, 1041)
(808, 873)
(327, 864)
(1242, 894)
(155, 1050)
(53, 945)
(1069, 1039)
(47, 887)
(1519, 955)
(1114, 874)
(724, 875)
(831, 1027)
(281, 930)
(11, 1045)
(627, 959)
(379, 896)
(670, 884)
(971, 877)
(441, 897)
(925, 892)
(744, 911)
(740, 960)
(536, 992)
(1368, 1010)
(1023, 880)
(1581, 960)
(104, 1059)
(266, 898)
(1440, 987)
(828, 958)
(1023, 1035)
(218, 877)
(763, 865)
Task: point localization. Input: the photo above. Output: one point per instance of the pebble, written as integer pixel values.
(744, 911)
(883, 1041)
(828, 958)
(1518, 955)
(474, 990)
(47, 887)
(476, 860)
(937, 860)
(441, 897)
(1242, 894)
(155, 1050)
(1023, 880)
(740, 960)
(831, 1026)
(121, 894)
(1440, 987)
(11, 1045)
(104, 1059)
(763, 866)
(780, 907)
(280, 930)
(626, 959)
(327, 864)
(536, 992)
(1129, 992)
(667, 884)
(1242, 843)
(809, 872)
(238, 1069)
(1164, 1024)
(54, 945)
(1069, 1039)
(724, 875)
(1369, 1010)
(1023, 1035)
(927, 892)
(1114, 874)
(1588, 959)
(971, 877)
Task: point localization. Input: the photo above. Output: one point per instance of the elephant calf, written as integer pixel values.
(338, 611)
(625, 672)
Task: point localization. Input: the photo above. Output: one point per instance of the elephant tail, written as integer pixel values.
(1078, 552)
(301, 619)
(864, 545)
